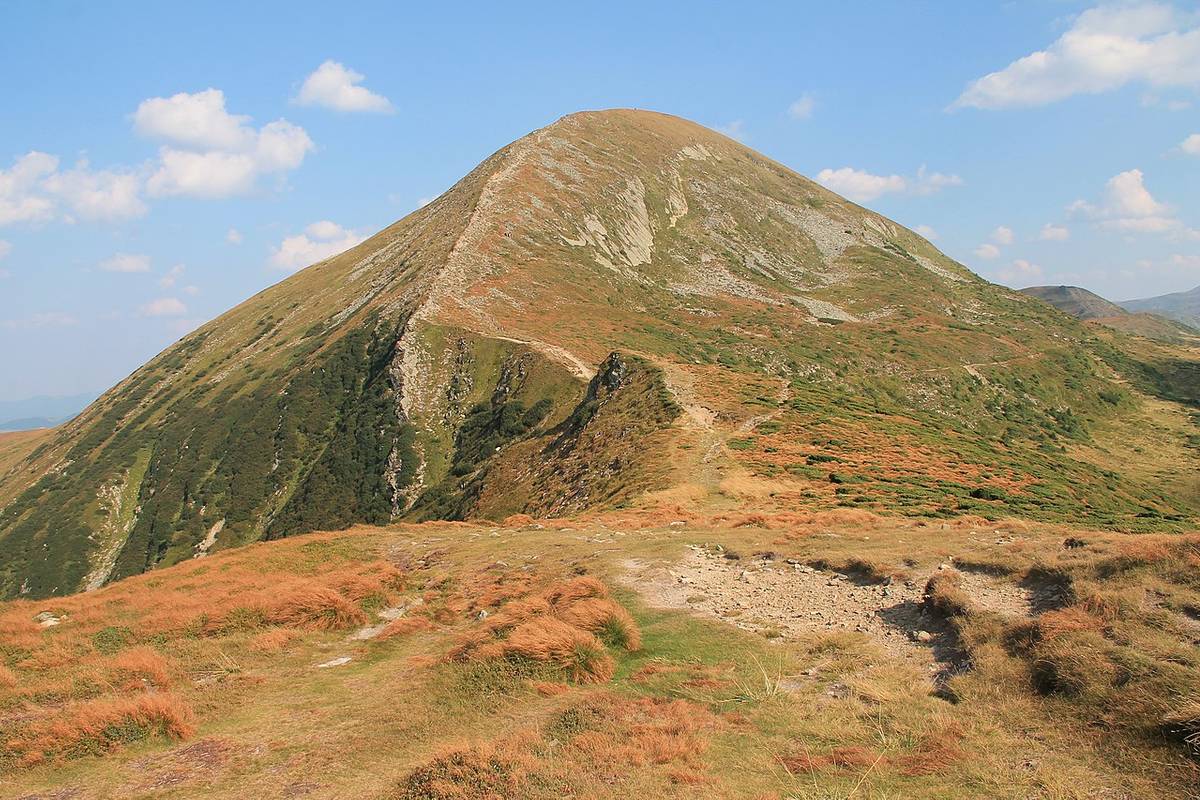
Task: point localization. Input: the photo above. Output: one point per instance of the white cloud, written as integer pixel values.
(5, 248)
(319, 241)
(1191, 145)
(20, 200)
(1054, 233)
(803, 107)
(234, 236)
(47, 319)
(172, 277)
(324, 229)
(734, 130)
(926, 231)
(281, 146)
(35, 190)
(1185, 261)
(212, 153)
(126, 262)
(1107, 47)
(1154, 101)
(5, 274)
(988, 251)
(1020, 271)
(1003, 235)
(1129, 206)
(931, 182)
(196, 120)
(1129, 197)
(97, 196)
(214, 174)
(335, 86)
(164, 307)
(859, 185)
(862, 186)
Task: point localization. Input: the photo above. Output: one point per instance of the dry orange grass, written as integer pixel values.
(139, 666)
(95, 671)
(609, 621)
(275, 640)
(1053, 624)
(605, 738)
(567, 625)
(405, 626)
(317, 608)
(645, 731)
(936, 751)
(551, 641)
(852, 758)
(97, 726)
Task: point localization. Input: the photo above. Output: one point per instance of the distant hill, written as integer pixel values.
(42, 411)
(30, 423)
(1091, 307)
(1076, 301)
(1182, 306)
(1153, 326)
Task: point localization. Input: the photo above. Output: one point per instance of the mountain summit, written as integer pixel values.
(620, 309)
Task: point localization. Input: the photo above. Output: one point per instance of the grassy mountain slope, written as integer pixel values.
(775, 346)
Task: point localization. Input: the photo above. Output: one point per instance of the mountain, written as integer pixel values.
(1181, 306)
(42, 411)
(1079, 303)
(620, 310)
(1085, 305)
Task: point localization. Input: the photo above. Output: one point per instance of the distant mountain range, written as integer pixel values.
(42, 411)
(1152, 321)
(1182, 306)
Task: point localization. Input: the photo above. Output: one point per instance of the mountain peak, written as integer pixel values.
(614, 310)
(1076, 301)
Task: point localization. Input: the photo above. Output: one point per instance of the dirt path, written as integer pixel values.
(785, 599)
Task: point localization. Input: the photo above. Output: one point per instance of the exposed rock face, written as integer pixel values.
(447, 366)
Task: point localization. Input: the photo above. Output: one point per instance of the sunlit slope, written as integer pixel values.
(771, 344)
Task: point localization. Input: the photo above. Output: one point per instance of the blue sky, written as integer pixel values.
(161, 162)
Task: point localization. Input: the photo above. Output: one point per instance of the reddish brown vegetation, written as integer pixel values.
(274, 640)
(936, 751)
(567, 625)
(479, 772)
(93, 681)
(606, 738)
(139, 666)
(404, 626)
(99, 725)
